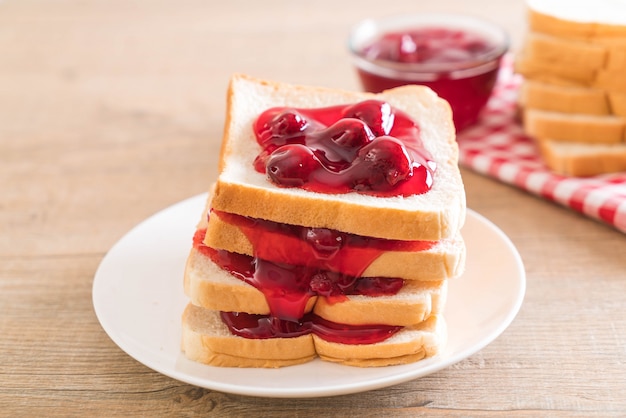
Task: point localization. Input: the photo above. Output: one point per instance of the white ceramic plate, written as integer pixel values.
(138, 298)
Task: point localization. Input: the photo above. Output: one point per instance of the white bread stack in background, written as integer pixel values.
(245, 203)
(573, 95)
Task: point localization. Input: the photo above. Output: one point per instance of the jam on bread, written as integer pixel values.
(368, 147)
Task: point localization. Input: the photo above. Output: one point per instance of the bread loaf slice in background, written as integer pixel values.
(565, 99)
(581, 159)
(550, 49)
(558, 126)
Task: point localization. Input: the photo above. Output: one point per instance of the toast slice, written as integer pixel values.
(558, 126)
(210, 287)
(411, 344)
(206, 339)
(434, 215)
(566, 99)
(606, 19)
(540, 47)
(553, 72)
(581, 159)
(443, 259)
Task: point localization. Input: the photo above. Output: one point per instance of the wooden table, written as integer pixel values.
(113, 110)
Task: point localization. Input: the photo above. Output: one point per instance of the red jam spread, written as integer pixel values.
(429, 45)
(435, 45)
(262, 326)
(320, 248)
(287, 287)
(367, 147)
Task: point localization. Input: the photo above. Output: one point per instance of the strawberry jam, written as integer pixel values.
(367, 147)
(287, 288)
(262, 326)
(457, 56)
(320, 248)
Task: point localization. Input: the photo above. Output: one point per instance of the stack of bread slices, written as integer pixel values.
(303, 243)
(574, 91)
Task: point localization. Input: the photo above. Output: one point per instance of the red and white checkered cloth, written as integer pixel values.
(497, 147)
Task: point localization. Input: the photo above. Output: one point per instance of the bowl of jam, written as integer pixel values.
(458, 56)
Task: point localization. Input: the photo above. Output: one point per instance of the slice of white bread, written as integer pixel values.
(409, 345)
(566, 99)
(211, 287)
(540, 47)
(580, 159)
(206, 339)
(578, 19)
(553, 72)
(413, 304)
(445, 260)
(434, 215)
(559, 126)
(574, 92)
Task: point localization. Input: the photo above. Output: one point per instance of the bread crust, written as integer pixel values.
(554, 72)
(546, 48)
(581, 160)
(427, 339)
(201, 342)
(566, 99)
(205, 340)
(559, 126)
(551, 25)
(416, 303)
(576, 30)
(437, 214)
(227, 294)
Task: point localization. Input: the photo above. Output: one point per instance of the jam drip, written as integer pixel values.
(287, 288)
(368, 147)
(321, 248)
(262, 326)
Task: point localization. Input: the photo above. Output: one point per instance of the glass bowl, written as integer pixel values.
(458, 56)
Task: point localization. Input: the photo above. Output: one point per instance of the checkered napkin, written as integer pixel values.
(497, 147)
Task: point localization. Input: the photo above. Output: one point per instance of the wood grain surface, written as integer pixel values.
(113, 110)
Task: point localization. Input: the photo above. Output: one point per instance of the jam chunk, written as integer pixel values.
(368, 147)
